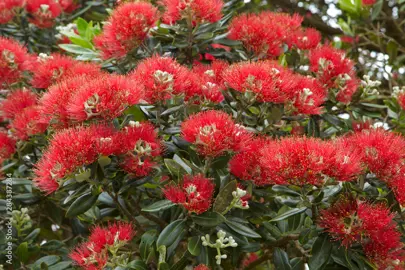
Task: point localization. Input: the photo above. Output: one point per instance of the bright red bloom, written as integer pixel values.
(199, 10)
(57, 68)
(68, 149)
(368, 2)
(308, 95)
(358, 126)
(214, 133)
(16, 101)
(7, 9)
(94, 253)
(201, 267)
(14, 60)
(246, 164)
(305, 39)
(210, 81)
(256, 35)
(372, 226)
(140, 146)
(195, 194)
(265, 80)
(301, 161)
(69, 5)
(349, 39)
(28, 123)
(379, 153)
(401, 98)
(54, 102)
(162, 77)
(127, 27)
(43, 12)
(7, 146)
(105, 97)
(250, 258)
(334, 70)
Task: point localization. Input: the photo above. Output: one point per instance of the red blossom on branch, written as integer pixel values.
(43, 12)
(8, 8)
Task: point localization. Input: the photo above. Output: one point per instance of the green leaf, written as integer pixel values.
(208, 219)
(81, 205)
(157, 206)
(22, 252)
(32, 235)
(137, 265)
(174, 168)
(297, 264)
(170, 233)
(52, 244)
(281, 261)
(145, 247)
(321, 251)
(392, 50)
(81, 26)
(76, 49)
(279, 189)
(48, 260)
(194, 245)
(377, 7)
(224, 197)
(243, 230)
(289, 213)
(61, 266)
(348, 5)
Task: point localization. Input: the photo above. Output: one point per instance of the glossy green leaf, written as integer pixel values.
(280, 259)
(289, 213)
(224, 197)
(243, 230)
(158, 206)
(170, 233)
(321, 252)
(194, 245)
(81, 205)
(208, 219)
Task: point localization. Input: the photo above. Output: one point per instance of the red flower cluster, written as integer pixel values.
(256, 35)
(201, 267)
(269, 82)
(379, 153)
(196, 10)
(334, 70)
(195, 194)
(20, 107)
(210, 80)
(43, 12)
(7, 9)
(136, 146)
(56, 68)
(352, 222)
(7, 146)
(14, 60)
(162, 77)
(126, 29)
(368, 2)
(214, 133)
(94, 254)
(250, 258)
(296, 161)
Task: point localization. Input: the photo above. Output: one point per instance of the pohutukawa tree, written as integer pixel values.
(186, 134)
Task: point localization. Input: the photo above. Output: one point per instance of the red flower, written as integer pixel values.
(54, 102)
(305, 39)
(162, 77)
(43, 12)
(201, 267)
(140, 146)
(266, 81)
(372, 226)
(214, 133)
(379, 153)
(56, 68)
(28, 123)
(301, 161)
(68, 149)
(368, 2)
(105, 97)
(7, 146)
(334, 70)
(250, 258)
(308, 95)
(195, 194)
(7, 9)
(16, 101)
(127, 27)
(358, 126)
(246, 164)
(94, 253)
(14, 60)
(256, 35)
(199, 10)
(210, 81)
(69, 5)
(349, 39)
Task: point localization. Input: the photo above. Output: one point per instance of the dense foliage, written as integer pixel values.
(200, 134)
